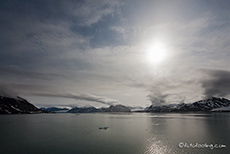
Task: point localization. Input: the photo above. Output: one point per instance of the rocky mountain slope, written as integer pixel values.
(199, 106)
(117, 108)
(17, 105)
(83, 110)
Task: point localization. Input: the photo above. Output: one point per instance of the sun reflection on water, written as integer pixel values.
(155, 146)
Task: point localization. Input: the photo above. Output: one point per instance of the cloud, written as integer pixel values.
(159, 90)
(7, 91)
(15, 72)
(157, 98)
(96, 47)
(217, 83)
(44, 86)
(90, 12)
(86, 97)
(178, 84)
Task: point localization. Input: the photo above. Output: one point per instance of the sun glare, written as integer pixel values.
(156, 52)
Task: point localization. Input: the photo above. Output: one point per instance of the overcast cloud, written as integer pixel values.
(97, 51)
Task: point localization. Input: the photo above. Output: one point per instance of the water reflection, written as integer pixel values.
(127, 134)
(168, 130)
(156, 146)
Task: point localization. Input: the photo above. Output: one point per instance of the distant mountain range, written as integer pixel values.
(19, 105)
(112, 108)
(91, 109)
(55, 109)
(199, 106)
(208, 105)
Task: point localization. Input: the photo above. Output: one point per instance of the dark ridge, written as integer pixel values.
(17, 106)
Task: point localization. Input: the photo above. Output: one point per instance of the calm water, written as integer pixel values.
(137, 133)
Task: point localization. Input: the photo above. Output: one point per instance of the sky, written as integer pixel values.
(108, 52)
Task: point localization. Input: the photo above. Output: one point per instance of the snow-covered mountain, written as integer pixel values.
(17, 105)
(202, 105)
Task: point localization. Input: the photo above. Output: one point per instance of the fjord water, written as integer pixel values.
(135, 133)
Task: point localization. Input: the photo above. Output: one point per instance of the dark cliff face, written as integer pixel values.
(117, 108)
(83, 110)
(199, 106)
(17, 106)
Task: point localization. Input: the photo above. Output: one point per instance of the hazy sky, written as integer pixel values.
(99, 52)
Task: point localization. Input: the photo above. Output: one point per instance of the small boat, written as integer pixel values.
(104, 128)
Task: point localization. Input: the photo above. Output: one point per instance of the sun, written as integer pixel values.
(156, 52)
